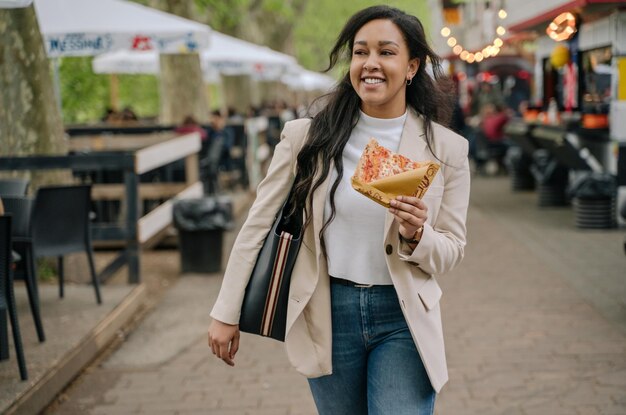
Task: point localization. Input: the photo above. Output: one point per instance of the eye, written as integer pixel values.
(387, 52)
(359, 52)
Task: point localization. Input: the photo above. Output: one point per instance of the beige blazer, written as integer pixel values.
(308, 337)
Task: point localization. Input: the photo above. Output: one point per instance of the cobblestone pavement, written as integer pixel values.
(534, 319)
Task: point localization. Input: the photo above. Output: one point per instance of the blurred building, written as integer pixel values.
(568, 56)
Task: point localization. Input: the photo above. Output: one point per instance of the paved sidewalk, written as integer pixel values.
(534, 319)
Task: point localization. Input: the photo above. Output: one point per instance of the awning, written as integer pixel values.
(541, 20)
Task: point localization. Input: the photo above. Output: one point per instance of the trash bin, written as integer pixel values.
(201, 224)
(594, 196)
(519, 168)
(551, 179)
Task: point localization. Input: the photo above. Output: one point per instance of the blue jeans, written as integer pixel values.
(376, 366)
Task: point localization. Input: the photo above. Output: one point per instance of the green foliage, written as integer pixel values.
(322, 21)
(141, 92)
(46, 269)
(86, 95)
(221, 15)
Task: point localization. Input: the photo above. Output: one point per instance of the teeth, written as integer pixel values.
(372, 81)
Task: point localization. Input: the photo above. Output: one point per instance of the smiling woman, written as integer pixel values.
(380, 67)
(363, 319)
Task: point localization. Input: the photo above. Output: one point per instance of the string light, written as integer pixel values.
(487, 52)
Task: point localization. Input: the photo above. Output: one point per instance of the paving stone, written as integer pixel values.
(530, 330)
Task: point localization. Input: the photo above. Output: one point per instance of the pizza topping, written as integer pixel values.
(378, 162)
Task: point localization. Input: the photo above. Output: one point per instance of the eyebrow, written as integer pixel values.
(380, 43)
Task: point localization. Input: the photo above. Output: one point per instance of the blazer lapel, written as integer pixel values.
(413, 146)
(319, 201)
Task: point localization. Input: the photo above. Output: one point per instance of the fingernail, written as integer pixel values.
(393, 203)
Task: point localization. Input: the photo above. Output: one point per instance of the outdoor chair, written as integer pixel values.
(60, 226)
(20, 207)
(7, 300)
(13, 187)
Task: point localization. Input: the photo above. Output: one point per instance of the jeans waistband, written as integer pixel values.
(349, 283)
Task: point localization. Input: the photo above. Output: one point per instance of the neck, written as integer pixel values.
(383, 111)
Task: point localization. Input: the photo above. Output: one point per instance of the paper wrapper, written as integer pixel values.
(408, 183)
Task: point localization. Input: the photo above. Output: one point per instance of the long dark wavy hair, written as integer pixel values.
(429, 96)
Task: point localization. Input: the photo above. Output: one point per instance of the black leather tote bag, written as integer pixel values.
(264, 309)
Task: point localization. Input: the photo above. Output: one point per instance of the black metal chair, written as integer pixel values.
(7, 299)
(13, 187)
(20, 208)
(60, 226)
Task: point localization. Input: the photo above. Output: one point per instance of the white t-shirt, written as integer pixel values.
(355, 237)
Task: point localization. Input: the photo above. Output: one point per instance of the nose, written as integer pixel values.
(371, 64)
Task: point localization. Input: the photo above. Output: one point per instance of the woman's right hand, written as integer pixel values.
(224, 340)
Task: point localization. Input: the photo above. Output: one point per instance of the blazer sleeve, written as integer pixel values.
(271, 194)
(442, 245)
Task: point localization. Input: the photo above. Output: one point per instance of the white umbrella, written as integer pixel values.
(126, 62)
(91, 27)
(305, 80)
(232, 56)
(14, 4)
(226, 54)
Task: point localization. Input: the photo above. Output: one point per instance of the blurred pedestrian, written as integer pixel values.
(110, 116)
(491, 137)
(222, 136)
(363, 322)
(128, 115)
(190, 125)
(486, 94)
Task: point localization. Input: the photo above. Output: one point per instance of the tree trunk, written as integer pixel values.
(238, 92)
(181, 83)
(182, 89)
(30, 120)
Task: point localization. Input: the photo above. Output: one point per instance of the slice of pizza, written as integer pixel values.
(383, 175)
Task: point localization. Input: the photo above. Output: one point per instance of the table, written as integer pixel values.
(133, 155)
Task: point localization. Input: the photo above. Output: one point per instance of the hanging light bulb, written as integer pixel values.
(500, 30)
(451, 41)
(502, 14)
(495, 50)
(445, 31)
(471, 58)
(478, 56)
(464, 54)
(498, 42)
(457, 49)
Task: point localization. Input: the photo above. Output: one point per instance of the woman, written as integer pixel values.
(363, 321)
